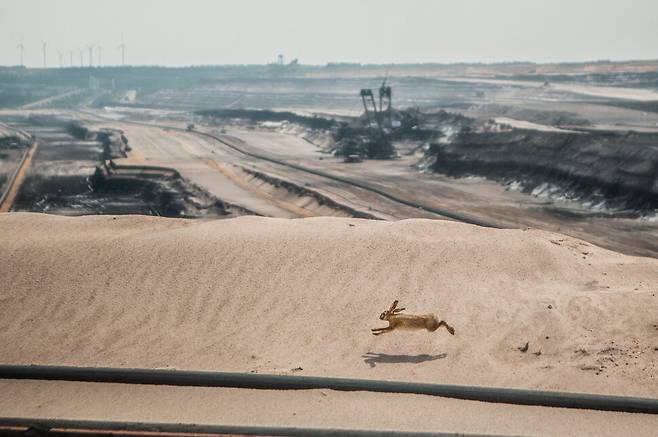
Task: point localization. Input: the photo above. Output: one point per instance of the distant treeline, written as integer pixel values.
(256, 115)
(10, 98)
(148, 78)
(145, 78)
(648, 79)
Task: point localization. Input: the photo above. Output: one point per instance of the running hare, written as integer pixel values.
(407, 321)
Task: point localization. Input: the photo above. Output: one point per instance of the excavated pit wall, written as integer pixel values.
(302, 192)
(72, 175)
(605, 169)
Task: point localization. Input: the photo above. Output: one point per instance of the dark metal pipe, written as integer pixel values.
(291, 382)
(116, 428)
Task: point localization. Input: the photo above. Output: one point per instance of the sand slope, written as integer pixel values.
(272, 295)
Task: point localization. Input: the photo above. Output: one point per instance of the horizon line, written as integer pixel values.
(348, 64)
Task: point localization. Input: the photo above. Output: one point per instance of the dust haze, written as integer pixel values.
(205, 32)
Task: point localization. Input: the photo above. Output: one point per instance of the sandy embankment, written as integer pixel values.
(271, 295)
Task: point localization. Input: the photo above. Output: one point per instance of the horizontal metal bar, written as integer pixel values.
(293, 382)
(116, 427)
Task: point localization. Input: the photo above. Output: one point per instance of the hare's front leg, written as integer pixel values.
(380, 331)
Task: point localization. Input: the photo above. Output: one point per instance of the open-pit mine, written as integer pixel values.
(145, 225)
(575, 153)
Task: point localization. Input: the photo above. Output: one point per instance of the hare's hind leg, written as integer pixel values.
(450, 329)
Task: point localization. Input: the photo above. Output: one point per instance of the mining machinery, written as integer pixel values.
(377, 144)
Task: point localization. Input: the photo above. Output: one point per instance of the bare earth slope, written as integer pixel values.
(272, 295)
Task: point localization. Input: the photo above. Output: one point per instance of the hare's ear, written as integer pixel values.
(393, 306)
(398, 310)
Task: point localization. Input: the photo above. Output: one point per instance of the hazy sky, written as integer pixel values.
(185, 32)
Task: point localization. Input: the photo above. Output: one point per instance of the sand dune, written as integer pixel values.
(271, 295)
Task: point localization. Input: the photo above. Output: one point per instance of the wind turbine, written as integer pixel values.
(71, 57)
(82, 52)
(122, 47)
(43, 47)
(91, 55)
(100, 54)
(21, 47)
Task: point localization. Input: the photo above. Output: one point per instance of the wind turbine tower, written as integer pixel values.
(43, 47)
(122, 47)
(71, 57)
(21, 47)
(82, 52)
(91, 55)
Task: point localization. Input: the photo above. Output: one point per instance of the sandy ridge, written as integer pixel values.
(271, 295)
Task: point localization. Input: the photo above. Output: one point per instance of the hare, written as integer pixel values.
(407, 321)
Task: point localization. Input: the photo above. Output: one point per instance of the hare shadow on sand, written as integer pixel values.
(373, 358)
